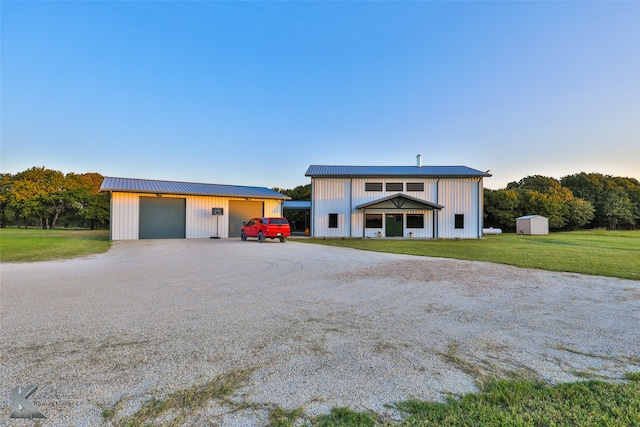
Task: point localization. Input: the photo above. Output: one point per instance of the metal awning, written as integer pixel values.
(400, 201)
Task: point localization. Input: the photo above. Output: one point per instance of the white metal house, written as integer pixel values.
(148, 209)
(396, 201)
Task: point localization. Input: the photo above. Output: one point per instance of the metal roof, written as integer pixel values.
(530, 216)
(296, 204)
(407, 171)
(187, 188)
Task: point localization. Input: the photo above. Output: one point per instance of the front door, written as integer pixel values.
(394, 225)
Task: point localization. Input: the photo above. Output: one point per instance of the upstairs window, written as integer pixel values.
(415, 186)
(394, 186)
(372, 186)
(459, 221)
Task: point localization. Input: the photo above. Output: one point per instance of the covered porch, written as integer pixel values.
(399, 215)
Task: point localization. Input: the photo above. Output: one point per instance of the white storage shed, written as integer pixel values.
(532, 225)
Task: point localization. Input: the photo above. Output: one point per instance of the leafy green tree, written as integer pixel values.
(581, 212)
(301, 192)
(501, 208)
(29, 193)
(44, 196)
(5, 187)
(618, 210)
(602, 192)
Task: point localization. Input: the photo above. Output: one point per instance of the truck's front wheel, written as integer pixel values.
(260, 237)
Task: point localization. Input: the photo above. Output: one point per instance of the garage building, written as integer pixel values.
(150, 209)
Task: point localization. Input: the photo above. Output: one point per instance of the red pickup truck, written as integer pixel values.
(266, 227)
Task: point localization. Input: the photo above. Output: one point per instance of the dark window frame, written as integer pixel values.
(459, 221)
(371, 222)
(392, 184)
(411, 186)
(333, 220)
(413, 217)
(372, 186)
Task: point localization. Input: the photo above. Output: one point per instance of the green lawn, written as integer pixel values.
(597, 252)
(515, 403)
(20, 245)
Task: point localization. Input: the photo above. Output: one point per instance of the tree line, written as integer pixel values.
(46, 198)
(583, 200)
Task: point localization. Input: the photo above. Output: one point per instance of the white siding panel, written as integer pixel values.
(272, 208)
(331, 196)
(200, 223)
(459, 196)
(125, 210)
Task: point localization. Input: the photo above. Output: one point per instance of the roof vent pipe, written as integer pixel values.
(419, 160)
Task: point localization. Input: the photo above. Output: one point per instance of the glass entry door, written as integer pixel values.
(394, 225)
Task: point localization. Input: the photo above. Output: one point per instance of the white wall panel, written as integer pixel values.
(272, 208)
(125, 210)
(200, 222)
(330, 196)
(459, 196)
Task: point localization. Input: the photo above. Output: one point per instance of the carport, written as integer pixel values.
(297, 213)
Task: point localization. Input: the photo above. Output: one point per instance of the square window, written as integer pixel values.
(415, 186)
(373, 221)
(459, 220)
(372, 186)
(333, 220)
(415, 221)
(394, 186)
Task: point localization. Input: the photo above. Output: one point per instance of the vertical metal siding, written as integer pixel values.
(331, 195)
(125, 216)
(272, 208)
(200, 223)
(459, 196)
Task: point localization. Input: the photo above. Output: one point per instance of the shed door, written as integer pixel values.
(240, 211)
(162, 218)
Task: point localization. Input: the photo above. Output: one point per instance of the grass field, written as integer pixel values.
(20, 245)
(597, 252)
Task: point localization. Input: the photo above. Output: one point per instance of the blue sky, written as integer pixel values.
(252, 93)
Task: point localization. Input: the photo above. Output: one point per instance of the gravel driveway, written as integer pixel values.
(320, 327)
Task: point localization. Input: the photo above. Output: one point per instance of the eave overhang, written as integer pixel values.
(400, 201)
